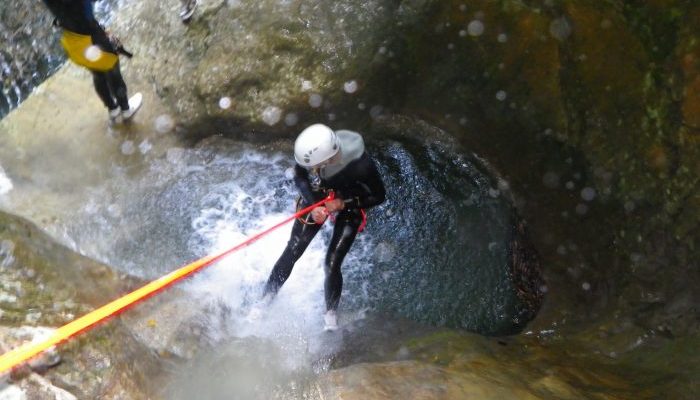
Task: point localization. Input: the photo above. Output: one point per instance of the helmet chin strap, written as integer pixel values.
(315, 178)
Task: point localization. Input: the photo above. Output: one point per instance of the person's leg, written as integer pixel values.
(101, 83)
(302, 234)
(346, 226)
(117, 87)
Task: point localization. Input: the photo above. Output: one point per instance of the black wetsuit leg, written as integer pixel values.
(302, 234)
(102, 88)
(346, 225)
(117, 87)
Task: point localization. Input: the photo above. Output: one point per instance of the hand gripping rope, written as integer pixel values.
(308, 221)
(23, 353)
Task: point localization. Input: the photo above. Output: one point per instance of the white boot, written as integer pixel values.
(134, 104)
(331, 321)
(115, 116)
(187, 10)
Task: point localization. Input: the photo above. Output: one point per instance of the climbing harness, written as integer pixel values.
(23, 353)
(307, 220)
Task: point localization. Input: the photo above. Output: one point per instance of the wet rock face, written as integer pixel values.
(44, 286)
(267, 60)
(29, 53)
(580, 106)
(451, 250)
(446, 365)
(689, 53)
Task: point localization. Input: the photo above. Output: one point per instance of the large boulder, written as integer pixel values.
(45, 285)
(272, 62)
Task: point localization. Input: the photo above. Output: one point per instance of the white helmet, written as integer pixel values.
(314, 145)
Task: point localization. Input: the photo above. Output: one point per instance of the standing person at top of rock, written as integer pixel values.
(88, 45)
(187, 10)
(329, 161)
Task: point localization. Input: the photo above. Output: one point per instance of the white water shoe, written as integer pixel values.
(135, 103)
(331, 321)
(115, 116)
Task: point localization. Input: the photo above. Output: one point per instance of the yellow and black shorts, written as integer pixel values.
(83, 52)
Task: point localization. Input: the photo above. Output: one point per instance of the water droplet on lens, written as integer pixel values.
(93, 53)
(315, 100)
(145, 146)
(350, 86)
(560, 29)
(128, 147)
(164, 123)
(475, 28)
(225, 103)
(291, 119)
(550, 180)
(588, 193)
(271, 115)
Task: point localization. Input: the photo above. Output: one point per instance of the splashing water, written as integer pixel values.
(233, 211)
(282, 346)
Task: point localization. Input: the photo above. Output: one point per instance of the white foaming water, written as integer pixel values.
(237, 280)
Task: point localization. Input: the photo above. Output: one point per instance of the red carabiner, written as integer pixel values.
(364, 220)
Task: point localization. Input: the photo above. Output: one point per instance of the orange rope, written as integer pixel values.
(23, 353)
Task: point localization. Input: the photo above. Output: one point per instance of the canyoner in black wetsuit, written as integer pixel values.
(329, 161)
(89, 46)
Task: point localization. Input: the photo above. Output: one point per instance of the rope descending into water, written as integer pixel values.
(23, 353)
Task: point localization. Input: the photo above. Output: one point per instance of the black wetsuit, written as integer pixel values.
(360, 185)
(77, 16)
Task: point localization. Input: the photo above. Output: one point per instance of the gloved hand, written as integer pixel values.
(117, 44)
(319, 214)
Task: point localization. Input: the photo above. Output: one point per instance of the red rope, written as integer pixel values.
(23, 353)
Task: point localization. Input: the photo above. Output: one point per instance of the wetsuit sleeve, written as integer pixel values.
(301, 180)
(87, 9)
(374, 192)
